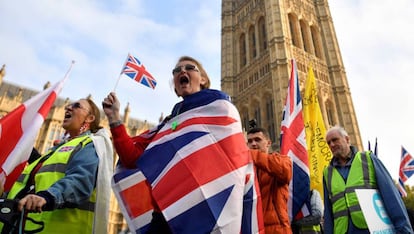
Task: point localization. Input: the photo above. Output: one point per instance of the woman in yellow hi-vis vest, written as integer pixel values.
(60, 188)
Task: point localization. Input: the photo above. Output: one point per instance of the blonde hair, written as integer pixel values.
(95, 125)
(200, 67)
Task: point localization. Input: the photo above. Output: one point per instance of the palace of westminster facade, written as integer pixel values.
(259, 38)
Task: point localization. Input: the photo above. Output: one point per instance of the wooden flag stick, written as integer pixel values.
(69, 70)
(120, 74)
(117, 81)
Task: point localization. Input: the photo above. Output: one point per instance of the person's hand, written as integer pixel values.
(110, 106)
(32, 203)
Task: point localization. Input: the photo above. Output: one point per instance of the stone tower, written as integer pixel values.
(260, 37)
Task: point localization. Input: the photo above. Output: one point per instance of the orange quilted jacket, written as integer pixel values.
(274, 172)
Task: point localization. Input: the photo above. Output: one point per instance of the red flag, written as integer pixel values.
(293, 143)
(18, 131)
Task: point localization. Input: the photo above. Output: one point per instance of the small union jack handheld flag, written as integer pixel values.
(406, 170)
(135, 70)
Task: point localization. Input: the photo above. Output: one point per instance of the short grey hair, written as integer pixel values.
(339, 129)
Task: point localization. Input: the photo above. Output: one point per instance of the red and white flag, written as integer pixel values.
(18, 131)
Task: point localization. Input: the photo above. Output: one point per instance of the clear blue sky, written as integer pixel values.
(38, 40)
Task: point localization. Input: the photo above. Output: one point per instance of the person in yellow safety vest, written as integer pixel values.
(65, 187)
(310, 224)
(350, 170)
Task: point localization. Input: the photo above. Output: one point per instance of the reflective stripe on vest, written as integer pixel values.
(315, 229)
(342, 194)
(76, 220)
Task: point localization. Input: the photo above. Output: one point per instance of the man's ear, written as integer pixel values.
(347, 139)
(269, 143)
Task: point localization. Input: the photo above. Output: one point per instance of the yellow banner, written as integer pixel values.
(318, 150)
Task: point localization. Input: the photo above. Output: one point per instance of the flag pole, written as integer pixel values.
(69, 70)
(120, 74)
(117, 81)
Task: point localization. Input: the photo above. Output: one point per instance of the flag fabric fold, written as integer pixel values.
(197, 168)
(293, 144)
(406, 170)
(318, 150)
(126, 184)
(18, 131)
(135, 70)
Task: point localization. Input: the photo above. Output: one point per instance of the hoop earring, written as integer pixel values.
(85, 127)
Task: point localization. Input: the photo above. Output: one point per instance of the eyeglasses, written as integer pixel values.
(187, 67)
(76, 105)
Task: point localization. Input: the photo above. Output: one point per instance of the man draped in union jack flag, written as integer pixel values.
(135, 70)
(406, 170)
(192, 173)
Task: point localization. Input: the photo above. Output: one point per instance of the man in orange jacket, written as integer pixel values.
(274, 172)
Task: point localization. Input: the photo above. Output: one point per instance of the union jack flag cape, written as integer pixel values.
(199, 170)
(293, 143)
(135, 70)
(406, 170)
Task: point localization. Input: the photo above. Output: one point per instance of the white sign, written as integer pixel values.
(374, 211)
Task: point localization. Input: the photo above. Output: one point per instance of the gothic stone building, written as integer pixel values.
(260, 37)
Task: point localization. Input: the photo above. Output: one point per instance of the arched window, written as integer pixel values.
(294, 30)
(316, 40)
(262, 35)
(257, 115)
(242, 48)
(269, 110)
(306, 37)
(244, 116)
(271, 129)
(330, 113)
(252, 42)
